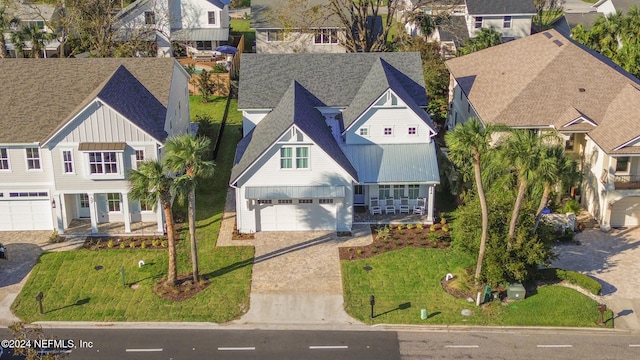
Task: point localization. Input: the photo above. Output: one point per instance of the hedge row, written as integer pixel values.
(576, 278)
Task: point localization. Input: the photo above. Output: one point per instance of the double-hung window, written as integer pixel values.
(139, 157)
(414, 191)
(384, 191)
(33, 159)
(212, 17)
(67, 161)
(113, 202)
(478, 22)
(302, 157)
(506, 22)
(398, 191)
(103, 162)
(286, 158)
(4, 159)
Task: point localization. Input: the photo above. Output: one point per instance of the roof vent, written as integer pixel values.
(547, 34)
(582, 89)
(558, 42)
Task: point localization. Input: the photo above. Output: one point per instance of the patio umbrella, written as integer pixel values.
(226, 49)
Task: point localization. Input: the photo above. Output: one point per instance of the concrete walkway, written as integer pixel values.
(578, 7)
(296, 275)
(613, 259)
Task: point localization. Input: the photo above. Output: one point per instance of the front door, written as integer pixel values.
(358, 195)
(83, 206)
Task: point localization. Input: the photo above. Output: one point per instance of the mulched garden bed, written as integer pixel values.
(128, 242)
(184, 289)
(394, 237)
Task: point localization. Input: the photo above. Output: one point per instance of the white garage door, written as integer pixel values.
(297, 216)
(626, 212)
(25, 215)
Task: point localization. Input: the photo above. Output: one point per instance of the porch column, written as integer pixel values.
(431, 202)
(58, 217)
(126, 211)
(160, 217)
(93, 212)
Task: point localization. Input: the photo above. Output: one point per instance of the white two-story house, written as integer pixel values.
(326, 132)
(549, 82)
(198, 25)
(511, 18)
(28, 14)
(71, 135)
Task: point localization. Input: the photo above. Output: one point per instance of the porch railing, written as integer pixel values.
(626, 182)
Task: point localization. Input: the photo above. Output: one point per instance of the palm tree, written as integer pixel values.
(485, 38)
(151, 183)
(32, 33)
(472, 140)
(6, 22)
(185, 155)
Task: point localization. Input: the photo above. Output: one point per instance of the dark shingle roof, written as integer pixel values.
(296, 107)
(381, 77)
(333, 78)
(454, 29)
(500, 7)
(52, 91)
(124, 93)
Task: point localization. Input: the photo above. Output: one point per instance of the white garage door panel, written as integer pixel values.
(290, 217)
(626, 212)
(26, 215)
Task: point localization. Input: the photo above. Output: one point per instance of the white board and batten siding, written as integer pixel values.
(322, 171)
(178, 119)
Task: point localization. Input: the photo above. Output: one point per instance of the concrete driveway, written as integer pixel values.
(613, 259)
(578, 7)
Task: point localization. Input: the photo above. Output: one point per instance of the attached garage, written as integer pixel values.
(24, 211)
(626, 212)
(295, 208)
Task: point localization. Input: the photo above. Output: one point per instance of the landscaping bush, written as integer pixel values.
(576, 278)
(572, 206)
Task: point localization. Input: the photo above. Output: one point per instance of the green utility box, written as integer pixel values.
(515, 292)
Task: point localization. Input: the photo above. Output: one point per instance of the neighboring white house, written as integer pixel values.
(326, 132)
(277, 28)
(79, 126)
(547, 81)
(511, 18)
(39, 14)
(608, 7)
(199, 25)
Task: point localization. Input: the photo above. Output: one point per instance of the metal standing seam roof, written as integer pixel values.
(500, 7)
(294, 192)
(215, 34)
(395, 163)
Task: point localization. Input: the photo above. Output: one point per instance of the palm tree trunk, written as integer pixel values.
(192, 233)
(543, 204)
(485, 214)
(516, 209)
(172, 273)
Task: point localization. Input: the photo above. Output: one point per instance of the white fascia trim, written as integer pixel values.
(483, 15)
(579, 119)
(627, 143)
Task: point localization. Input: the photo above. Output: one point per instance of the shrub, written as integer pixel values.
(573, 277)
(443, 220)
(132, 244)
(566, 236)
(573, 206)
(155, 242)
(419, 226)
(400, 227)
(409, 226)
(445, 228)
(432, 228)
(359, 251)
(55, 237)
(383, 233)
(122, 245)
(432, 236)
(110, 243)
(143, 245)
(163, 243)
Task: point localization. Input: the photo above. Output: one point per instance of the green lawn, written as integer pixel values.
(74, 290)
(408, 280)
(239, 26)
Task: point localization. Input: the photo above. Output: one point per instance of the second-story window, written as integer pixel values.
(412, 130)
(67, 161)
(388, 131)
(33, 159)
(212, 17)
(4, 159)
(149, 17)
(139, 157)
(364, 131)
(478, 22)
(622, 165)
(326, 36)
(302, 157)
(506, 22)
(275, 35)
(103, 163)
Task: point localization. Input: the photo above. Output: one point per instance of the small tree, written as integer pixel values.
(485, 38)
(206, 85)
(6, 23)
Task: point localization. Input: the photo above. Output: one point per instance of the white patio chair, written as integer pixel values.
(419, 207)
(389, 207)
(374, 206)
(404, 205)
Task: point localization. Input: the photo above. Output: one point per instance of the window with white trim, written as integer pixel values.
(103, 162)
(67, 162)
(478, 22)
(263, 202)
(33, 158)
(414, 191)
(275, 35)
(285, 201)
(364, 131)
(4, 159)
(412, 130)
(622, 165)
(325, 201)
(302, 157)
(204, 45)
(398, 191)
(305, 201)
(384, 191)
(139, 157)
(506, 22)
(113, 202)
(286, 158)
(212, 17)
(31, 194)
(388, 131)
(326, 36)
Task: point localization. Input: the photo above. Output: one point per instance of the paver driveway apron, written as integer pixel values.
(613, 259)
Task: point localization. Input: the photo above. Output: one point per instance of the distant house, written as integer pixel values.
(198, 26)
(511, 18)
(324, 133)
(548, 82)
(39, 14)
(608, 7)
(282, 30)
(66, 148)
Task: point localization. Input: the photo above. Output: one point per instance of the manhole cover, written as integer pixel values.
(368, 268)
(99, 267)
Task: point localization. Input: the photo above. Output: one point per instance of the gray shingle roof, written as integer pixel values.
(265, 14)
(531, 82)
(53, 90)
(296, 107)
(500, 7)
(333, 78)
(454, 29)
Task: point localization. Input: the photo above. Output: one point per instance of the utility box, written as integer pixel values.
(516, 292)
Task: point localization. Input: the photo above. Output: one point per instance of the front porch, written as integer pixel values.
(82, 227)
(362, 215)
